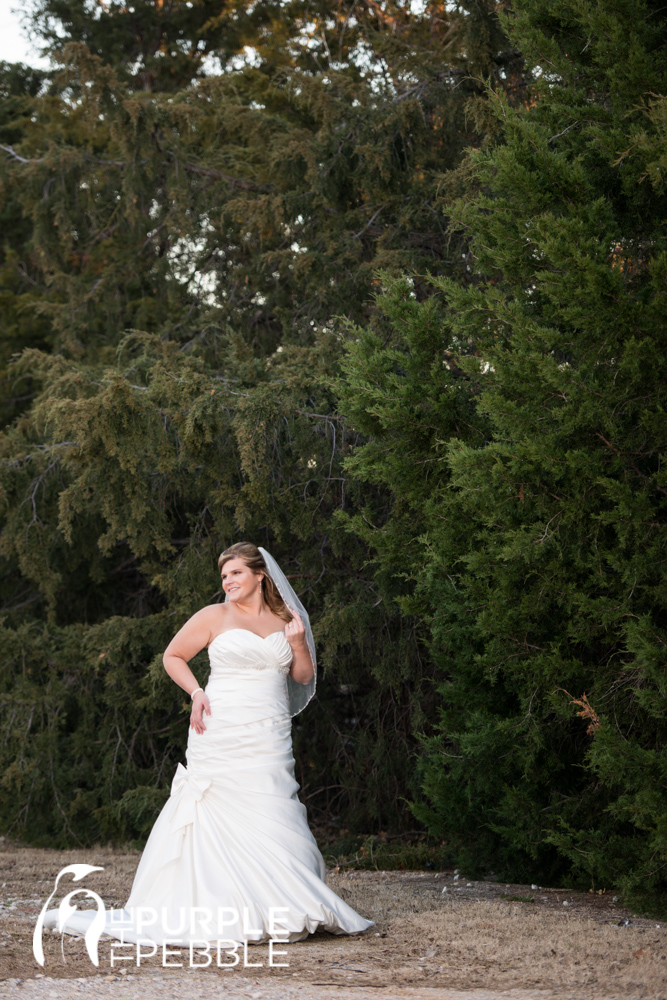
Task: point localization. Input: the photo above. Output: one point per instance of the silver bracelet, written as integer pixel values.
(192, 696)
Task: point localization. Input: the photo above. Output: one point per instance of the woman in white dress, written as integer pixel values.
(231, 856)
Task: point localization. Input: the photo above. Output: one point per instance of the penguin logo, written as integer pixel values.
(65, 911)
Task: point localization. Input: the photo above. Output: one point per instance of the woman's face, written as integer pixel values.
(238, 580)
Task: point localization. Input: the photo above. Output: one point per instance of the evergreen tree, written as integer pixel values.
(189, 251)
(526, 464)
(154, 46)
(165, 46)
(19, 86)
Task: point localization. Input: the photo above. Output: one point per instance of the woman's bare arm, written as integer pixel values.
(302, 665)
(188, 641)
(302, 669)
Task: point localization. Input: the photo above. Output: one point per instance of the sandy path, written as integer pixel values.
(196, 987)
(436, 937)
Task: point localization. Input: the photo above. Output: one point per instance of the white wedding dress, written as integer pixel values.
(233, 838)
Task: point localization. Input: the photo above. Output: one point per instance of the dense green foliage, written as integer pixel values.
(175, 257)
(364, 290)
(520, 425)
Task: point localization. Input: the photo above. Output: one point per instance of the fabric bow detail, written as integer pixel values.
(183, 780)
(186, 792)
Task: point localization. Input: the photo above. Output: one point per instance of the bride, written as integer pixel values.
(231, 855)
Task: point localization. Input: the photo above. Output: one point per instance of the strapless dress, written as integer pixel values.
(231, 855)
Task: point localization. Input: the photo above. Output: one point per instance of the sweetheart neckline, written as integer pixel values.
(262, 637)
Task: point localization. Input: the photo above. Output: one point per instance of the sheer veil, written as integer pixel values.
(298, 694)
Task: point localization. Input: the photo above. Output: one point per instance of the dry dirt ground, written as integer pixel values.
(436, 936)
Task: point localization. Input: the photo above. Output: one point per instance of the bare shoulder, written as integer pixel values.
(280, 622)
(212, 616)
(214, 610)
(196, 632)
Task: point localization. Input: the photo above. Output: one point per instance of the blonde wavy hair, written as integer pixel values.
(254, 560)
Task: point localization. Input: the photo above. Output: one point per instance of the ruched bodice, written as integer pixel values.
(249, 712)
(233, 833)
(247, 679)
(242, 649)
